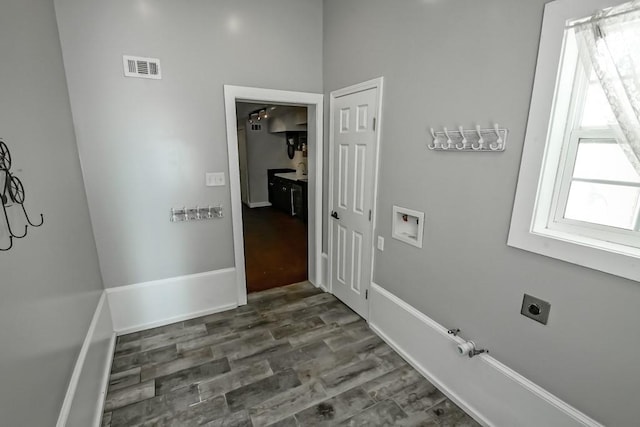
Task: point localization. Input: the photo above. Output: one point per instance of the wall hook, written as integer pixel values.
(498, 143)
(463, 143)
(10, 244)
(29, 220)
(17, 195)
(6, 218)
(449, 145)
(196, 213)
(492, 139)
(12, 193)
(480, 143)
(434, 144)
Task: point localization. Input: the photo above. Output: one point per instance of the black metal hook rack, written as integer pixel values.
(12, 193)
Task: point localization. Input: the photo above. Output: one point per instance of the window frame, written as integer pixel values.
(536, 191)
(557, 220)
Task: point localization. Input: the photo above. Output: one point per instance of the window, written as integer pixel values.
(595, 190)
(578, 195)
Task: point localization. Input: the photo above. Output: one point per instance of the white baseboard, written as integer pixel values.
(324, 274)
(84, 400)
(161, 302)
(104, 382)
(492, 393)
(258, 204)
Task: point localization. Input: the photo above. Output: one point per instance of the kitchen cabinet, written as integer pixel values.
(281, 192)
(288, 192)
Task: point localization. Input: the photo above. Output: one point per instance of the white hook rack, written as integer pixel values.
(492, 139)
(195, 214)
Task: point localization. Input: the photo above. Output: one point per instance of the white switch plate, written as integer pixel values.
(214, 179)
(380, 243)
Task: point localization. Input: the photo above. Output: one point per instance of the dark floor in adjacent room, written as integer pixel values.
(275, 248)
(294, 356)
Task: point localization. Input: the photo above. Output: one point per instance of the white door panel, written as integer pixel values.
(352, 185)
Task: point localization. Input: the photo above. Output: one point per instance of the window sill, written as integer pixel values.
(607, 257)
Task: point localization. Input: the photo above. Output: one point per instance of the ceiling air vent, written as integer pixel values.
(146, 68)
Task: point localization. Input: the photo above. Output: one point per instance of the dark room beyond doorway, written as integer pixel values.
(275, 248)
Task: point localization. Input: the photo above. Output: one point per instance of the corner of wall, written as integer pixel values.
(161, 302)
(85, 396)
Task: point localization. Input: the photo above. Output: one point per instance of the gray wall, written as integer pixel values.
(264, 151)
(146, 145)
(50, 281)
(450, 63)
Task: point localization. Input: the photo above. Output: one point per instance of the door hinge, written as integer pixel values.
(374, 123)
(369, 215)
(366, 294)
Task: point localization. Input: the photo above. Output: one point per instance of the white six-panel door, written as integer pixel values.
(354, 154)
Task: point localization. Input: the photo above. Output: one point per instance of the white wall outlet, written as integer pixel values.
(214, 179)
(380, 243)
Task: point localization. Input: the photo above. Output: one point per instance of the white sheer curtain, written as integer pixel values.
(609, 41)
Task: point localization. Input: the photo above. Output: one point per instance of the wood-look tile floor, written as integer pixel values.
(294, 356)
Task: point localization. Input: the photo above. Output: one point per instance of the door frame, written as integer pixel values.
(315, 111)
(376, 83)
(241, 130)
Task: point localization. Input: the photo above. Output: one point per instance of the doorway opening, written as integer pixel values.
(314, 107)
(272, 159)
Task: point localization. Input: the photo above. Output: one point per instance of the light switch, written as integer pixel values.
(214, 179)
(380, 243)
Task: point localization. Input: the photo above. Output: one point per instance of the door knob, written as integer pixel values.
(335, 214)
